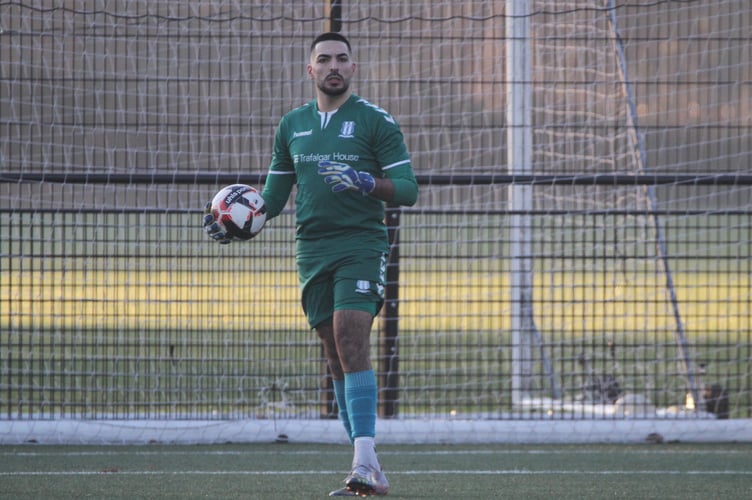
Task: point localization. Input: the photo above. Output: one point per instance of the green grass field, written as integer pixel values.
(270, 471)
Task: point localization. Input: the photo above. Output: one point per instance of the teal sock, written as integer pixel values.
(339, 396)
(361, 393)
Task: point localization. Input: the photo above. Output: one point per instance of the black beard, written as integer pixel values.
(333, 92)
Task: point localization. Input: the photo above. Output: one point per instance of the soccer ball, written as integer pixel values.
(239, 211)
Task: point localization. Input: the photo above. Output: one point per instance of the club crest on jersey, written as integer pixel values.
(347, 130)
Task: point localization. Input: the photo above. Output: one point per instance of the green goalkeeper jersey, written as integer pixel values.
(359, 134)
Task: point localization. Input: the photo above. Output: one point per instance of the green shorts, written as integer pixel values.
(351, 280)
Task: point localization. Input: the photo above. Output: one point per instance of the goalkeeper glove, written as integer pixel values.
(342, 176)
(212, 227)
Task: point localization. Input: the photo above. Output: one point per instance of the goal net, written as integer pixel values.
(121, 321)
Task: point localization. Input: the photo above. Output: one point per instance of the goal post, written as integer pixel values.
(525, 336)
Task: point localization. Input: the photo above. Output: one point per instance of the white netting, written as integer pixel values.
(119, 120)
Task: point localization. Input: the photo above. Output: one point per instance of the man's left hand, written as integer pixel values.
(342, 176)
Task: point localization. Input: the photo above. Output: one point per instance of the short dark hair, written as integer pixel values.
(331, 36)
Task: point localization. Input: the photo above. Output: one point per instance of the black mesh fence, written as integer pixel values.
(138, 314)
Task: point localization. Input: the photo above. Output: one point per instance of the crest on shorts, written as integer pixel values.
(363, 286)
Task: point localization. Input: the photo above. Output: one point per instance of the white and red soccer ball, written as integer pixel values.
(239, 210)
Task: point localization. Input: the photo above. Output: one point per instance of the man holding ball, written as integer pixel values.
(347, 158)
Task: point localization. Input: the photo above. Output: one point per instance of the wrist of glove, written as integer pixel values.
(341, 177)
(212, 227)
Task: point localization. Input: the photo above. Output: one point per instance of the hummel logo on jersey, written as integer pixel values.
(362, 286)
(347, 130)
(302, 134)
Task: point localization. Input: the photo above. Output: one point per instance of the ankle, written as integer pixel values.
(365, 452)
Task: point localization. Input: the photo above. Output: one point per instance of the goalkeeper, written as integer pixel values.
(347, 157)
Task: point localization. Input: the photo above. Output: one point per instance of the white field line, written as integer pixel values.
(651, 451)
(509, 472)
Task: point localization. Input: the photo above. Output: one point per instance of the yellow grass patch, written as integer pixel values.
(566, 302)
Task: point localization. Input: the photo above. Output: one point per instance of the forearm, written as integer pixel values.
(397, 191)
(383, 190)
(399, 188)
(276, 192)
